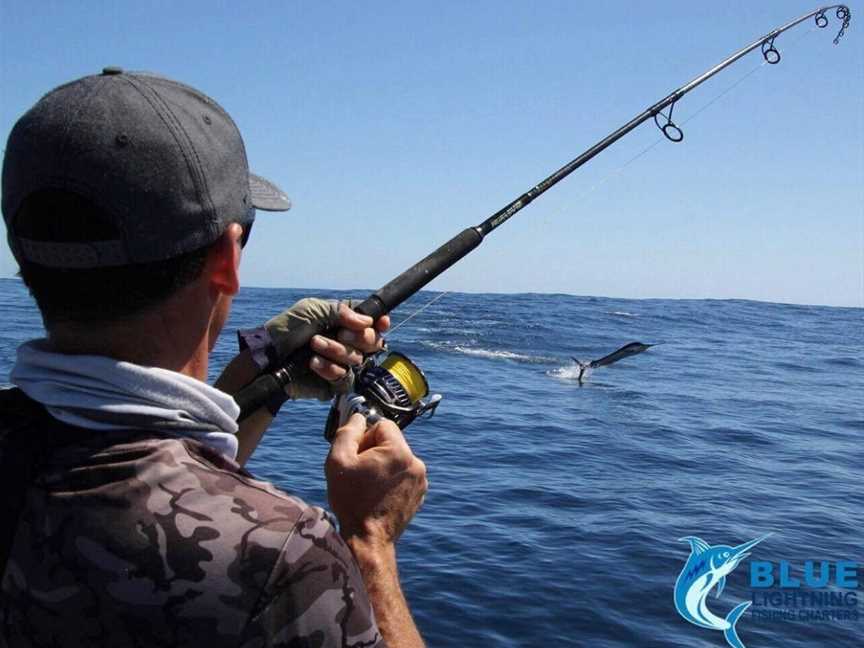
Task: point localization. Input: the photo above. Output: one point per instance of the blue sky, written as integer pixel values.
(392, 126)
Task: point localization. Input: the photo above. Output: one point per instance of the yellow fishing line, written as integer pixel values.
(408, 375)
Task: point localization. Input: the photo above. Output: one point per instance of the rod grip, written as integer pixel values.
(257, 393)
(422, 272)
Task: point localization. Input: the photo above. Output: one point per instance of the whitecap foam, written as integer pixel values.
(569, 372)
(486, 353)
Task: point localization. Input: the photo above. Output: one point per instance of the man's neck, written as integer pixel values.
(174, 335)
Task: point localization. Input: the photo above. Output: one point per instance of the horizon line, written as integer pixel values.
(369, 291)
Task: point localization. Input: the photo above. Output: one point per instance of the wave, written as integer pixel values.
(502, 355)
(843, 362)
(623, 314)
(485, 353)
(569, 372)
(490, 354)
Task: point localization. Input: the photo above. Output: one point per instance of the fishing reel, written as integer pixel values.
(387, 385)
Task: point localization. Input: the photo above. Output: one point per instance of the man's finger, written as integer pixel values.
(335, 351)
(385, 433)
(382, 323)
(346, 440)
(326, 369)
(366, 340)
(352, 319)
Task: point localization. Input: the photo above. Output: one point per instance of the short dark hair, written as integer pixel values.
(91, 295)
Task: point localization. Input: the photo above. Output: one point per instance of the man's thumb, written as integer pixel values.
(346, 440)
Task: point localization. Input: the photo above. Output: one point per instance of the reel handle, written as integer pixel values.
(342, 409)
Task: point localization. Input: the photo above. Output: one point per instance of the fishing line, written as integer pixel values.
(633, 159)
(644, 151)
(418, 311)
(620, 170)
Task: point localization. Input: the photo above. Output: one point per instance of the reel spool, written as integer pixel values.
(393, 388)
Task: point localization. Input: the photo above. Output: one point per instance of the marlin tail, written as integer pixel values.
(627, 350)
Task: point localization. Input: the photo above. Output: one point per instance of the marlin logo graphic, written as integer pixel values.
(706, 568)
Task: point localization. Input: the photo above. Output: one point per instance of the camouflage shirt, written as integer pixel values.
(134, 539)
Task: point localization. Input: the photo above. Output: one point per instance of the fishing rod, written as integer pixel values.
(395, 387)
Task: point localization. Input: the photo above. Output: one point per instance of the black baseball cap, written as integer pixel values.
(162, 161)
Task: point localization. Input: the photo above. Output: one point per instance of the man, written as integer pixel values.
(128, 519)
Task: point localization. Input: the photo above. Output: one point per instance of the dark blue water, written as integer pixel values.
(554, 509)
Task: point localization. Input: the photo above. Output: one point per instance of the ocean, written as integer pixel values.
(555, 509)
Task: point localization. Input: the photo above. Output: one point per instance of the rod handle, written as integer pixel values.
(257, 393)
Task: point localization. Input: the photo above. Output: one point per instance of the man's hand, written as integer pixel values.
(291, 329)
(356, 335)
(375, 483)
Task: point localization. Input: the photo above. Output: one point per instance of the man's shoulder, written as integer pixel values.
(218, 475)
(199, 500)
(149, 456)
(181, 482)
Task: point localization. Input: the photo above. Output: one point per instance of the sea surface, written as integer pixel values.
(555, 510)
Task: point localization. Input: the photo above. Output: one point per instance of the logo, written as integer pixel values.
(706, 568)
(819, 591)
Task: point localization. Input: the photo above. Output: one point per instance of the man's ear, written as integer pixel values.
(223, 261)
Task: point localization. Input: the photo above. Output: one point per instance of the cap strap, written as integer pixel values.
(94, 254)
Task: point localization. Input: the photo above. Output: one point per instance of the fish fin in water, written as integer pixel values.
(583, 366)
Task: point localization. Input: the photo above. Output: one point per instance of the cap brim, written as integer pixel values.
(266, 195)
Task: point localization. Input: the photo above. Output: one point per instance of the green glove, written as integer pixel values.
(295, 326)
(284, 334)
